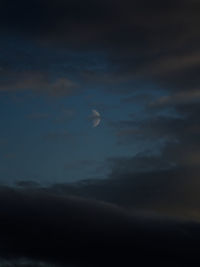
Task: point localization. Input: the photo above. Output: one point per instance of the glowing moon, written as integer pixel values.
(96, 122)
(96, 118)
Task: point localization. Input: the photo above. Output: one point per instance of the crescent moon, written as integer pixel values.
(96, 117)
(96, 122)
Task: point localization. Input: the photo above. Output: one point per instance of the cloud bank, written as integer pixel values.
(68, 230)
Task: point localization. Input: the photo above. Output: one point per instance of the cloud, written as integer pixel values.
(157, 188)
(181, 98)
(148, 44)
(138, 164)
(170, 65)
(37, 82)
(66, 230)
(25, 263)
(28, 184)
(168, 126)
(164, 176)
(152, 129)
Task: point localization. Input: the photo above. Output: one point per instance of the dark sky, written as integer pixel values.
(137, 63)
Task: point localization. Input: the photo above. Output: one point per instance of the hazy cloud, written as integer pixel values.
(36, 82)
(181, 98)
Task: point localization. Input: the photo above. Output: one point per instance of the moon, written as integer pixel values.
(96, 118)
(96, 122)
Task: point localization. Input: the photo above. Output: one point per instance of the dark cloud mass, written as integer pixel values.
(143, 40)
(60, 230)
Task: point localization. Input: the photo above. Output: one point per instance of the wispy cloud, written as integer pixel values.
(37, 82)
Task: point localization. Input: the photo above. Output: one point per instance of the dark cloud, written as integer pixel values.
(143, 41)
(36, 82)
(181, 98)
(66, 230)
(158, 189)
(138, 164)
(25, 263)
(28, 184)
(173, 135)
(163, 179)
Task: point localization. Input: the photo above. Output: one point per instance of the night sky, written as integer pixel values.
(65, 181)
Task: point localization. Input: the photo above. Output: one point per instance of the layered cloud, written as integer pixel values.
(177, 99)
(38, 82)
(149, 41)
